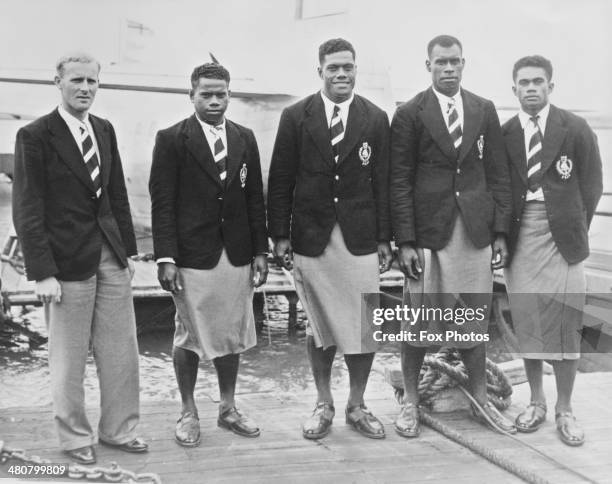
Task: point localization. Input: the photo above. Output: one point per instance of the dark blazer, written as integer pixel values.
(308, 192)
(431, 182)
(58, 219)
(194, 214)
(571, 202)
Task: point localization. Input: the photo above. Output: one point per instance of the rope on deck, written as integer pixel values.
(446, 370)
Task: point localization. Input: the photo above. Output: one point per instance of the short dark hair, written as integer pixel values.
(533, 61)
(443, 41)
(332, 46)
(210, 70)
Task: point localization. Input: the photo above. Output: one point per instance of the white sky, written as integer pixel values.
(264, 41)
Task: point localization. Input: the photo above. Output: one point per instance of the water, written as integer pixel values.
(277, 365)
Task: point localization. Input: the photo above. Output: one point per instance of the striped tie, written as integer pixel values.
(91, 160)
(220, 152)
(534, 160)
(336, 130)
(454, 126)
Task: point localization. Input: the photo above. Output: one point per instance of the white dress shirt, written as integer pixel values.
(75, 125)
(344, 109)
(211, 132)
(528, 130)
(444, 101)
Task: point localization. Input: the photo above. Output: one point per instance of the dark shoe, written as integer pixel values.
(134, 446)
(407, 422)
(82, 455)
(493, 418)
(187, 430)
(569, 431)
(233, 420)
(362, 420)
(319, 424)
(532, 418)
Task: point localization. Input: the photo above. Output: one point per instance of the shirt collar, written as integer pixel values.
(73, 122)
(208, 127)
(329, 104)
(524, 118)
(444, 100)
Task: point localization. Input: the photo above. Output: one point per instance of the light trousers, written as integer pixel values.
(99, 310)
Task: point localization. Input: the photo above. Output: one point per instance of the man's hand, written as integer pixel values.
(168, 277)
(284, 253)
(259, 270)
(385, 256)
(48, 290)
(131, 268)
(499, 257)
(410, 261)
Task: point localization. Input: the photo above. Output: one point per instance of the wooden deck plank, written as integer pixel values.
(282, 455)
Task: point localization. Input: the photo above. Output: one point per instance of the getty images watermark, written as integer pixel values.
(444, 325)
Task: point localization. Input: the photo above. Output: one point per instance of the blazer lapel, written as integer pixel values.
(554, 135)
(355, 126)
(515, 145)
(235, 149)
(65, 145)
(472, 120)
(433, 120)
(103, 140)
(316, 124)
(198, 146)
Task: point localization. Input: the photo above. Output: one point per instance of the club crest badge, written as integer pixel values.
(364, 153)
(243, 175)
(480, 145)
(564, 167)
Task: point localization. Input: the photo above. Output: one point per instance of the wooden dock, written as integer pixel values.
(281, 455)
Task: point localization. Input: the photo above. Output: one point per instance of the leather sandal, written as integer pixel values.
(569, 431)
(187, 431)
(494, 416)
(407, 422)
(240, 424)
(319, 423)
(532, 418)
(364, 422)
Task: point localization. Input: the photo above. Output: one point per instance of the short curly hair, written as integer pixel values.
(332, 46)
(533, 61)
(443, 41)
(210, 70)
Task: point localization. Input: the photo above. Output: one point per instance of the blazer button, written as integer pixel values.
(518, 219)
(219, 198)
(337, 177)
(222, 220)
(93, 197)
(335, 199)
(457, 193)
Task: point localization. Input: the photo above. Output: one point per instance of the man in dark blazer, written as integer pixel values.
(556, 177)
(450, 200)
(328, 204)
(210, 242)
(72, 216)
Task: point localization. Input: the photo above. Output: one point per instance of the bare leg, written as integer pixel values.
(186, 370)
(359, 366)
(412, 361)
(533, 370)
(474, 360)
(321, 364)
(227, 372)
(565, 375)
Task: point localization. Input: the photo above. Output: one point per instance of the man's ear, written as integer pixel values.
(320, 72)
(428, 65)
(57, 81)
